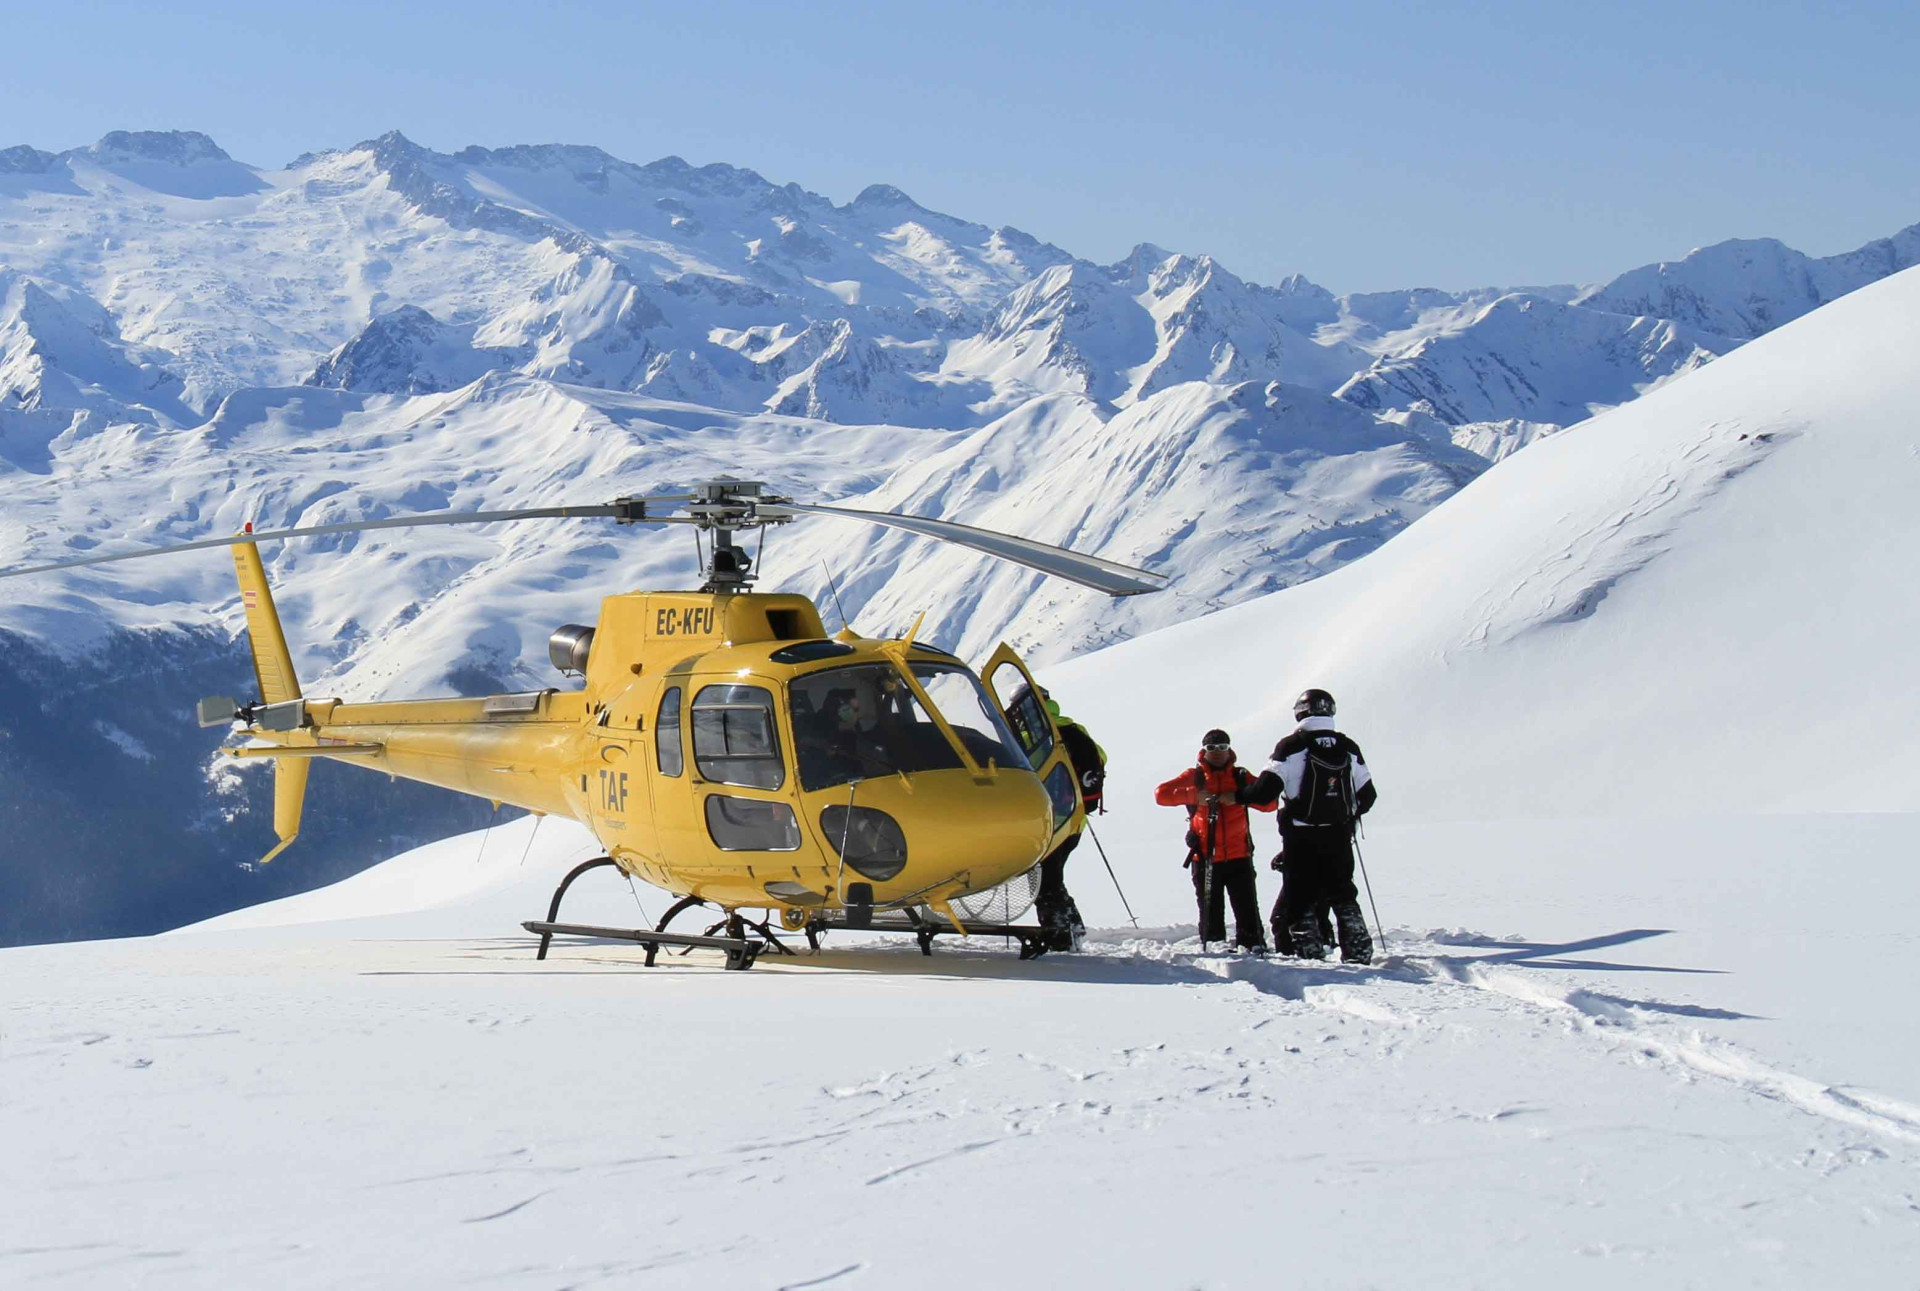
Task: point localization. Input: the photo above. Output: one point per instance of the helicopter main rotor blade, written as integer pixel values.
(1106, 576)
(352, 526)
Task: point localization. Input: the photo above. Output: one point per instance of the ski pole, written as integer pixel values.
(1110, 874)
(1206, 859)
(1206, 900)
(1377, 925)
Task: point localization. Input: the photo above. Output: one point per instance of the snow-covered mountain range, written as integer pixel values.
(188, 343)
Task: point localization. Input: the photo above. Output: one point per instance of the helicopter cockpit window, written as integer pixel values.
(1024, 714)
(668, 750)
(861, 722)
(733, 739)
(962, 700)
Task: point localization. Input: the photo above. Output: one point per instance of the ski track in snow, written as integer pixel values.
(1620, 1024)
(1416, 982)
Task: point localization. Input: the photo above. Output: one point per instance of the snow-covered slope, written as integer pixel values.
(1554, 1093)
(1688, 603)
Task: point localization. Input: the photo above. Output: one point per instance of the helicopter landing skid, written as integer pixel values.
(741, 951)
(1033, 940)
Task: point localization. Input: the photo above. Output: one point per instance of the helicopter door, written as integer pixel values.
(1014, 690)
(619, 784)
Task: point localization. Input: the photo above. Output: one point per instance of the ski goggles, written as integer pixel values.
(1216, 748)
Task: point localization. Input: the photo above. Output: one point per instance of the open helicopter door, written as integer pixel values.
(1018, 695)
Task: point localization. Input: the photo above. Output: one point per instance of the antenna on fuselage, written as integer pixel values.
(832, 587)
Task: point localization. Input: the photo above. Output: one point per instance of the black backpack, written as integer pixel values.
(1088, 767)
(1326, 786)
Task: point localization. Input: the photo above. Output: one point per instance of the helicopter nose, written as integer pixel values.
(994, 830)
(906, 838)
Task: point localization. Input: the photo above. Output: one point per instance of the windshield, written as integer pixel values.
(862, 721)
(961, 699)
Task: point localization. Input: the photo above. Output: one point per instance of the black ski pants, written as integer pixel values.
(1317, 865)
(1214, 883)
(1053, 902)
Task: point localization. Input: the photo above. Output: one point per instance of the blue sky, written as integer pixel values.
(1366, 145)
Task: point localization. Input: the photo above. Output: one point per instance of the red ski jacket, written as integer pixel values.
(1232, 839)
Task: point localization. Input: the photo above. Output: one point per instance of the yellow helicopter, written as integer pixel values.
(722, 746)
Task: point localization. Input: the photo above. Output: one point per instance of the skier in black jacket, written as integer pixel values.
(1053, 903)
(1327, 788)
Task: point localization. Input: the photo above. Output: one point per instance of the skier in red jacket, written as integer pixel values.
(1219, 842)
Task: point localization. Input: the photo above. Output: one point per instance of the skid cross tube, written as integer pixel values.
(740, 951)
(553, 909)
(684, 903)
(1034, 941)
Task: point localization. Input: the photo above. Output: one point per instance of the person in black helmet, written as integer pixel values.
(1324, 779)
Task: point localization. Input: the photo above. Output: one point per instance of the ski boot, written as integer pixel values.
(1305, 936)
(1356, 947)
(1063, 927)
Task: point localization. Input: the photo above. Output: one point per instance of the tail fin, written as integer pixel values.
(272, 662)
(273, 666)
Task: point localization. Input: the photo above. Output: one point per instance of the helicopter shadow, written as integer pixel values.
(1540, 954)
(1151, 961)
(1560, 955)
(1279, 976)
(1287, 979)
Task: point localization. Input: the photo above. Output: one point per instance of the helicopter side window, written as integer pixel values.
(668, 751)
(750, 825)
(733, 739)
(1062, 793)
(1024, 714)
